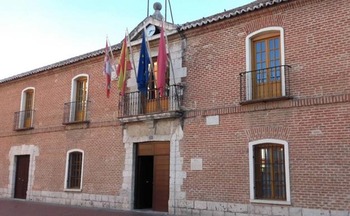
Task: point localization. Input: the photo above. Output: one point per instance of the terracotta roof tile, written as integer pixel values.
(61, 63)
(256, 5)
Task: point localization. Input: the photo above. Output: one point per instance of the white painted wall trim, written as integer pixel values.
(74, 92)
(248, 51)
(251, 171)
(66, 171)
(23, 105)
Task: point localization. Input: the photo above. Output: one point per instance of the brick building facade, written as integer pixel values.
(255, 120)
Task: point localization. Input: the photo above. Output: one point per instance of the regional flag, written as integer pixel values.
(107, 69)
(162, 61)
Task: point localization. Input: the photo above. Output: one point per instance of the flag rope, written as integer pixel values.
(149, 54)
(170, 59)
(131, 53)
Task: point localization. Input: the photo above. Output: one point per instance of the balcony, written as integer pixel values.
(23, 120)
(265, 84)
(136, 106)
(76, 112)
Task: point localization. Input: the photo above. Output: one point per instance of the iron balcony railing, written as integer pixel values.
(265, 84)
(23, 120)
(137, 103)
(76, 112)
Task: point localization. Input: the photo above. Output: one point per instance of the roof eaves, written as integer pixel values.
(230, 13)
(61, 63)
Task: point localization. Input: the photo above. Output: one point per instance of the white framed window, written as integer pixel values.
(265, 64)
(74, 170)
(79, 98)
(25, 115)
(269, 171)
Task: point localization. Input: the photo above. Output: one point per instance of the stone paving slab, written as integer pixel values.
(14, 207)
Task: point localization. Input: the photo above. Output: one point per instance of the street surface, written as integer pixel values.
(13, 207)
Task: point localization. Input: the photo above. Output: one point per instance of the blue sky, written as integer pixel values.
(36, 33)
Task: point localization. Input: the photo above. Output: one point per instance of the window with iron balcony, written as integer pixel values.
(23, 119)
(267, 76)
(76, 111)
(139, 105)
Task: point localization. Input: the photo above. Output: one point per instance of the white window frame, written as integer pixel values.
(23, 106)
(67, 169)
(74, 92)
(251, 171)
(248, 46)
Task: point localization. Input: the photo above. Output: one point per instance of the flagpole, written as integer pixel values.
(132, 55)
(171, 12)
(170, 59)
(110, 50)
(171, 65)
(148, 47)
(149, 54)
(147, 8)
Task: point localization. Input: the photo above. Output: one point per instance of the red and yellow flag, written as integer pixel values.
(123, 66)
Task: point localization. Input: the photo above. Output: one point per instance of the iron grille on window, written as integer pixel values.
(269, 172)
(75, 112)
(74, 170)
(265, 83)
(23, 120)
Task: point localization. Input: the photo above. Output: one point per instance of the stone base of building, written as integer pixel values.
(179, 207)
(202, 208)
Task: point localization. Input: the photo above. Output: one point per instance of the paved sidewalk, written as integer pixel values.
(13, 207)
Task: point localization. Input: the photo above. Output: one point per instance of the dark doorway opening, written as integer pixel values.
(152, 176)
(144, 182)
(21, 179)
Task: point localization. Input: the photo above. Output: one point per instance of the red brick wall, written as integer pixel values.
(317, 48)
(315, 124)
(101, 140)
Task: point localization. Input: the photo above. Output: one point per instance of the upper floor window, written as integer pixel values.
(24, 118)
(152, 84)
(76, 109)
(266, 62)
(74, 170)
(269, 171)
(266, 72)
(154, 102)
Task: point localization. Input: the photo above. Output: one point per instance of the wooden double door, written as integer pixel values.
(21, 179)
(152, 176)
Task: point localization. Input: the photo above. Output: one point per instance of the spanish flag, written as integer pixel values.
(123, 66)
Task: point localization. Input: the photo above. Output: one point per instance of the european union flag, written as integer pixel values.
(143, 73)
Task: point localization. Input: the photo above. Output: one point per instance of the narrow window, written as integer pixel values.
(74, 170)
(76, 110)
(155, 103)
(24, 117)
(269, 168)
(28, 108)
(152, 84)
(266, 76)
(269, 171)
(80, 99)
(266, 66)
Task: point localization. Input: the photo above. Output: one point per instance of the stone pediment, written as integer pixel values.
(136, 34)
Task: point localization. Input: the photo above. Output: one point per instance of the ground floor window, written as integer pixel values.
(269, 170)
(74, 169)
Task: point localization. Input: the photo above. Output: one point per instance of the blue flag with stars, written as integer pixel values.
(143, 73)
